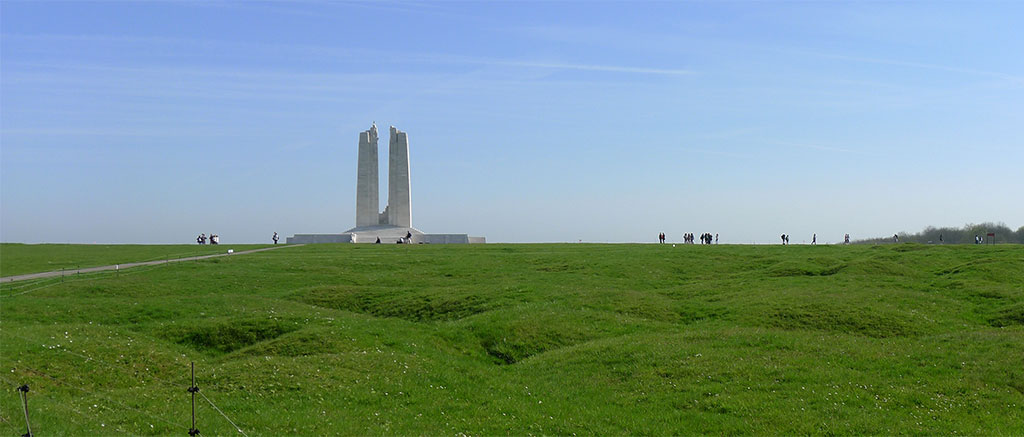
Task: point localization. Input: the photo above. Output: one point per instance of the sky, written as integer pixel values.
(528, 121)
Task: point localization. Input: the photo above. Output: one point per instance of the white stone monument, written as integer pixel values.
(394, 224)
(399, 207)
(367, 192)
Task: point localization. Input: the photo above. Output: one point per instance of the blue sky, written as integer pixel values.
(150, 122)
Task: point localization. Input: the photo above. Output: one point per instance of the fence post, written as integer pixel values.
(193, 389)
(23, 391)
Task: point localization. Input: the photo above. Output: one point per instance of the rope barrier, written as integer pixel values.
(78, 278)
(164, 382)
(222, 414)
(155, 379)
(67, 406)
(92, 392)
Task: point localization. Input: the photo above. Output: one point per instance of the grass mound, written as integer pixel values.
(809, 267)
(225, 336)
(414, 305)
(879, 267)
(530, 340)
(298, 344)
(1013, 315)
(528, 330)
(845, 319)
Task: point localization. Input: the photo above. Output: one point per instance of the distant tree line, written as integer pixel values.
(964, 235)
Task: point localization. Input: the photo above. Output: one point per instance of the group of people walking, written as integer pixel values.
(705, 238)
(214, 238)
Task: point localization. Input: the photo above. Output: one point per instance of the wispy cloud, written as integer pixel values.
(728, 154)
(818, 146)
(592, 67)
(1017, 79)
(349, 54)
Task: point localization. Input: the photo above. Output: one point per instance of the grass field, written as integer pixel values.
(528, 339)
(19, 259)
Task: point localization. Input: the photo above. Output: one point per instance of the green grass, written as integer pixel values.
(19, 259)
(529, 339)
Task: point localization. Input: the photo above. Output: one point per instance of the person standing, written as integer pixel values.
(716, 238)
(275, 238)
(814, 239)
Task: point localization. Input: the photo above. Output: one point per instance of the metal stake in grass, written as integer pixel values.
(23, 391)
(193, 389)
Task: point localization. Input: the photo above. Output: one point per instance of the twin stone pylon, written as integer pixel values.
(398, 212)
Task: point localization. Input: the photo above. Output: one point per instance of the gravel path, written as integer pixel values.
(130, 265)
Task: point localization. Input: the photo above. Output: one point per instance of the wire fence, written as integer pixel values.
(91, 393)
(20, 288)
(31, 285)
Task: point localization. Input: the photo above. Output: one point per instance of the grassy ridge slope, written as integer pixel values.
(539, 339)
(20, 259)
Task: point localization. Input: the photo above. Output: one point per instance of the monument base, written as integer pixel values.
(387, 235)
